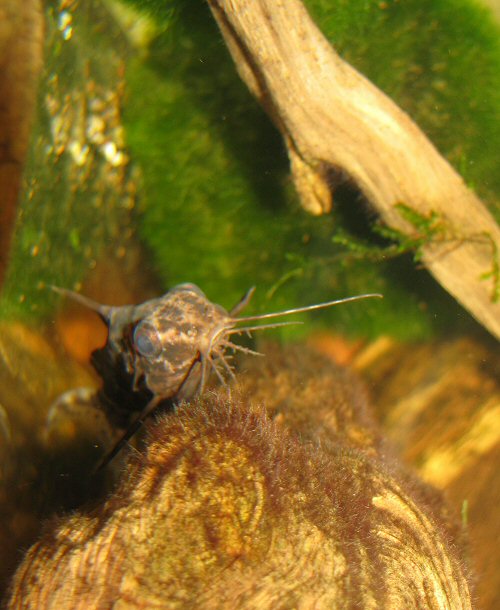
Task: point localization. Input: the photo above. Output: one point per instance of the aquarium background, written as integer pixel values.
(150, 164)
(160, 147)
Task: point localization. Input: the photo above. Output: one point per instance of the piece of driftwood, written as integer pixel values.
(331, 117)
(21, 49)
(297, 504)
(439, 405)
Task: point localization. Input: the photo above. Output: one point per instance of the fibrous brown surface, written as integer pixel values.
(439, 405)
(21, 48)
(234, 504)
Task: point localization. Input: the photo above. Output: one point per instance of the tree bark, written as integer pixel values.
(21, 50)
(330, 116)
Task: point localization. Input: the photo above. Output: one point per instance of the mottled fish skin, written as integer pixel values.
(156, 351)
(187, 327)
(162, 351)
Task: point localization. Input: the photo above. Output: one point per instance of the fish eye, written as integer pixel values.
(147, 340)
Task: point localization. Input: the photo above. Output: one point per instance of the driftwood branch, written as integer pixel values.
(21, 48)
(330, 116)
(233, 506)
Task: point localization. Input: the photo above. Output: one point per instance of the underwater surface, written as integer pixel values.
(147, 163)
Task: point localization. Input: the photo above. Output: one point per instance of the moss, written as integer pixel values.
(441, 64)
(217, 206)
(440, 61)
(78, 187)
(219, 209)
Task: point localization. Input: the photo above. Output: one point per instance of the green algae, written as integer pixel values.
(216, 204)
(440, 61)
(78, 185)
(219, 209)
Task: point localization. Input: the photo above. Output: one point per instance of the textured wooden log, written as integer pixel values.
(234, 505)
(330, 116)
(439, 405)
(21, 49)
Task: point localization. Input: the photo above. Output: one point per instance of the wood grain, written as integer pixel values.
(231, 504)
(21, 50)
(330, 116)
